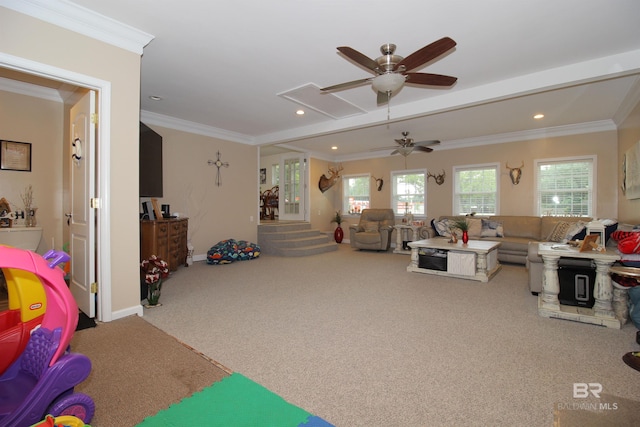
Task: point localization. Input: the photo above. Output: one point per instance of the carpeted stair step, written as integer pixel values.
(309, 250)
(293, 239)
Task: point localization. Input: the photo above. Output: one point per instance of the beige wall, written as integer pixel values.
(39, 122)
(37, 41)
(514, 199)
(215, 213)
(628, 135)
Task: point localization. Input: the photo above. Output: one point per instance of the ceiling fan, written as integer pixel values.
(406, 145)
(392, 71)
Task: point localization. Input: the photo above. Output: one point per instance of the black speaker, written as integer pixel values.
(576, 286)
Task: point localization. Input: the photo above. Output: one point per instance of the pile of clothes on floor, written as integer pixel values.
(230, 250)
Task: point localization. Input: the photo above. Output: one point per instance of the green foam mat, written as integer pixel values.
(236, 401)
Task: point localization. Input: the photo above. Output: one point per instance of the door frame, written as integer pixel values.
(103, 227)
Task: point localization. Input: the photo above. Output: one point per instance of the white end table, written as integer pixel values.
(602, 312)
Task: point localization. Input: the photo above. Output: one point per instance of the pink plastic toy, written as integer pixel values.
(42, 379)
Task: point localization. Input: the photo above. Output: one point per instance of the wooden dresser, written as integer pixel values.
(166, 238)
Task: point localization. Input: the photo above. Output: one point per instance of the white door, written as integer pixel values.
(81, 219)
(291, 203)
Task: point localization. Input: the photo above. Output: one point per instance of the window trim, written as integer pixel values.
(594, 179)
(392, 175)
(458, 168)
(342, 198)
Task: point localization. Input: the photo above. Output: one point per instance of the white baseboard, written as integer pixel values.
(135, 310)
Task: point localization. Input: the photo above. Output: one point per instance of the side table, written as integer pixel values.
(602, 312)
(406, 233)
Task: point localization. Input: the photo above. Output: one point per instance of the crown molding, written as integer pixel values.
(148, 117)
(28, 89)
(84, 21)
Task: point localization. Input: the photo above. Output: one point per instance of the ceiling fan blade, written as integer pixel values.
(346, 85)
(360, 58)
(382, 148)
(425, 143)
(426, 54)
(423, 148)
(430, 79)
(394, 152)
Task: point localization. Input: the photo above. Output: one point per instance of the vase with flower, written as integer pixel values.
(338, 234)
(462, 225)
(153, 270)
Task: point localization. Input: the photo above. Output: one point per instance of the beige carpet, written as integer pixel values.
(137, 370)
(352, 337)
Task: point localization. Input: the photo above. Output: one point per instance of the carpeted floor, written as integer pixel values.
(353, 338)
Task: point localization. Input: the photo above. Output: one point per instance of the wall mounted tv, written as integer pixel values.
(150, 162)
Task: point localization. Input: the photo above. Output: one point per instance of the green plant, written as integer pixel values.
(461, 224)
(337, 218)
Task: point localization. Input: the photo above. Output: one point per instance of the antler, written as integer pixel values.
(519, 167)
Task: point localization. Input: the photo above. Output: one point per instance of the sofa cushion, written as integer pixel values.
(475, 227)
(491, 228)
(369, 238)
(527, 227)
(370, 226)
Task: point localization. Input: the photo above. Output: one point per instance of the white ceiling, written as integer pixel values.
(220, 66)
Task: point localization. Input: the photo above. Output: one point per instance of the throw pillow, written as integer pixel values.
(577, 231)
(475, 227)
(559, 232)
(492, 228)
(442, 228)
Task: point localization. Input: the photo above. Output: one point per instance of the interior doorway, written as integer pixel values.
(102, 224)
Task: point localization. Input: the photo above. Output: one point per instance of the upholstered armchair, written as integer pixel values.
(373, 232)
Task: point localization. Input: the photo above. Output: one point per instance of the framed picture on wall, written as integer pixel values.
(263, 175)
(15, 156)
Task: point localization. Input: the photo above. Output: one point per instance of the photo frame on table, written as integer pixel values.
(15, 156)
(589, 243)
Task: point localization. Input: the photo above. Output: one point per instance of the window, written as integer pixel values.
(476, 189)
(355, 193)
(565, 186)
(409, 192)
(275, 174)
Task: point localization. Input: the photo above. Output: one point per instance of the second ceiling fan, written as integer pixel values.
(406, 145)
(392, 71)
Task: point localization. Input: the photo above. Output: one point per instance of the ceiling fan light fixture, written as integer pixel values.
(389, 82)
(405, 151)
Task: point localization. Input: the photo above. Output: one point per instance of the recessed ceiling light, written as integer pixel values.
(538, 116)
(300, 112)
(334, 148)
(155, 98)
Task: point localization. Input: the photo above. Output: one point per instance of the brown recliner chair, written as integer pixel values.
(373, 232)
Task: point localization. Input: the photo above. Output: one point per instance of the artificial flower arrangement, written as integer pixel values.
(155, 269)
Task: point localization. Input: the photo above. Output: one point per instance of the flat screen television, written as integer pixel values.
(150, 162)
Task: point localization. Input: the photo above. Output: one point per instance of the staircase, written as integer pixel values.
(293, 239)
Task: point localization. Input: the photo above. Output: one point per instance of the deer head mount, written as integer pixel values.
(515, 173)
(438, 178)
(325, 182)
(379, 182)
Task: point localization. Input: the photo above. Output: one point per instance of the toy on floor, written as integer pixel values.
(63, 421)
(42, 380)
(27, 305)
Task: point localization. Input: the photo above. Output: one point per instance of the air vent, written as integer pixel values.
(328, 104)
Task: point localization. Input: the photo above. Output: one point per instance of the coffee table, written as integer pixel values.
(475, 260)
